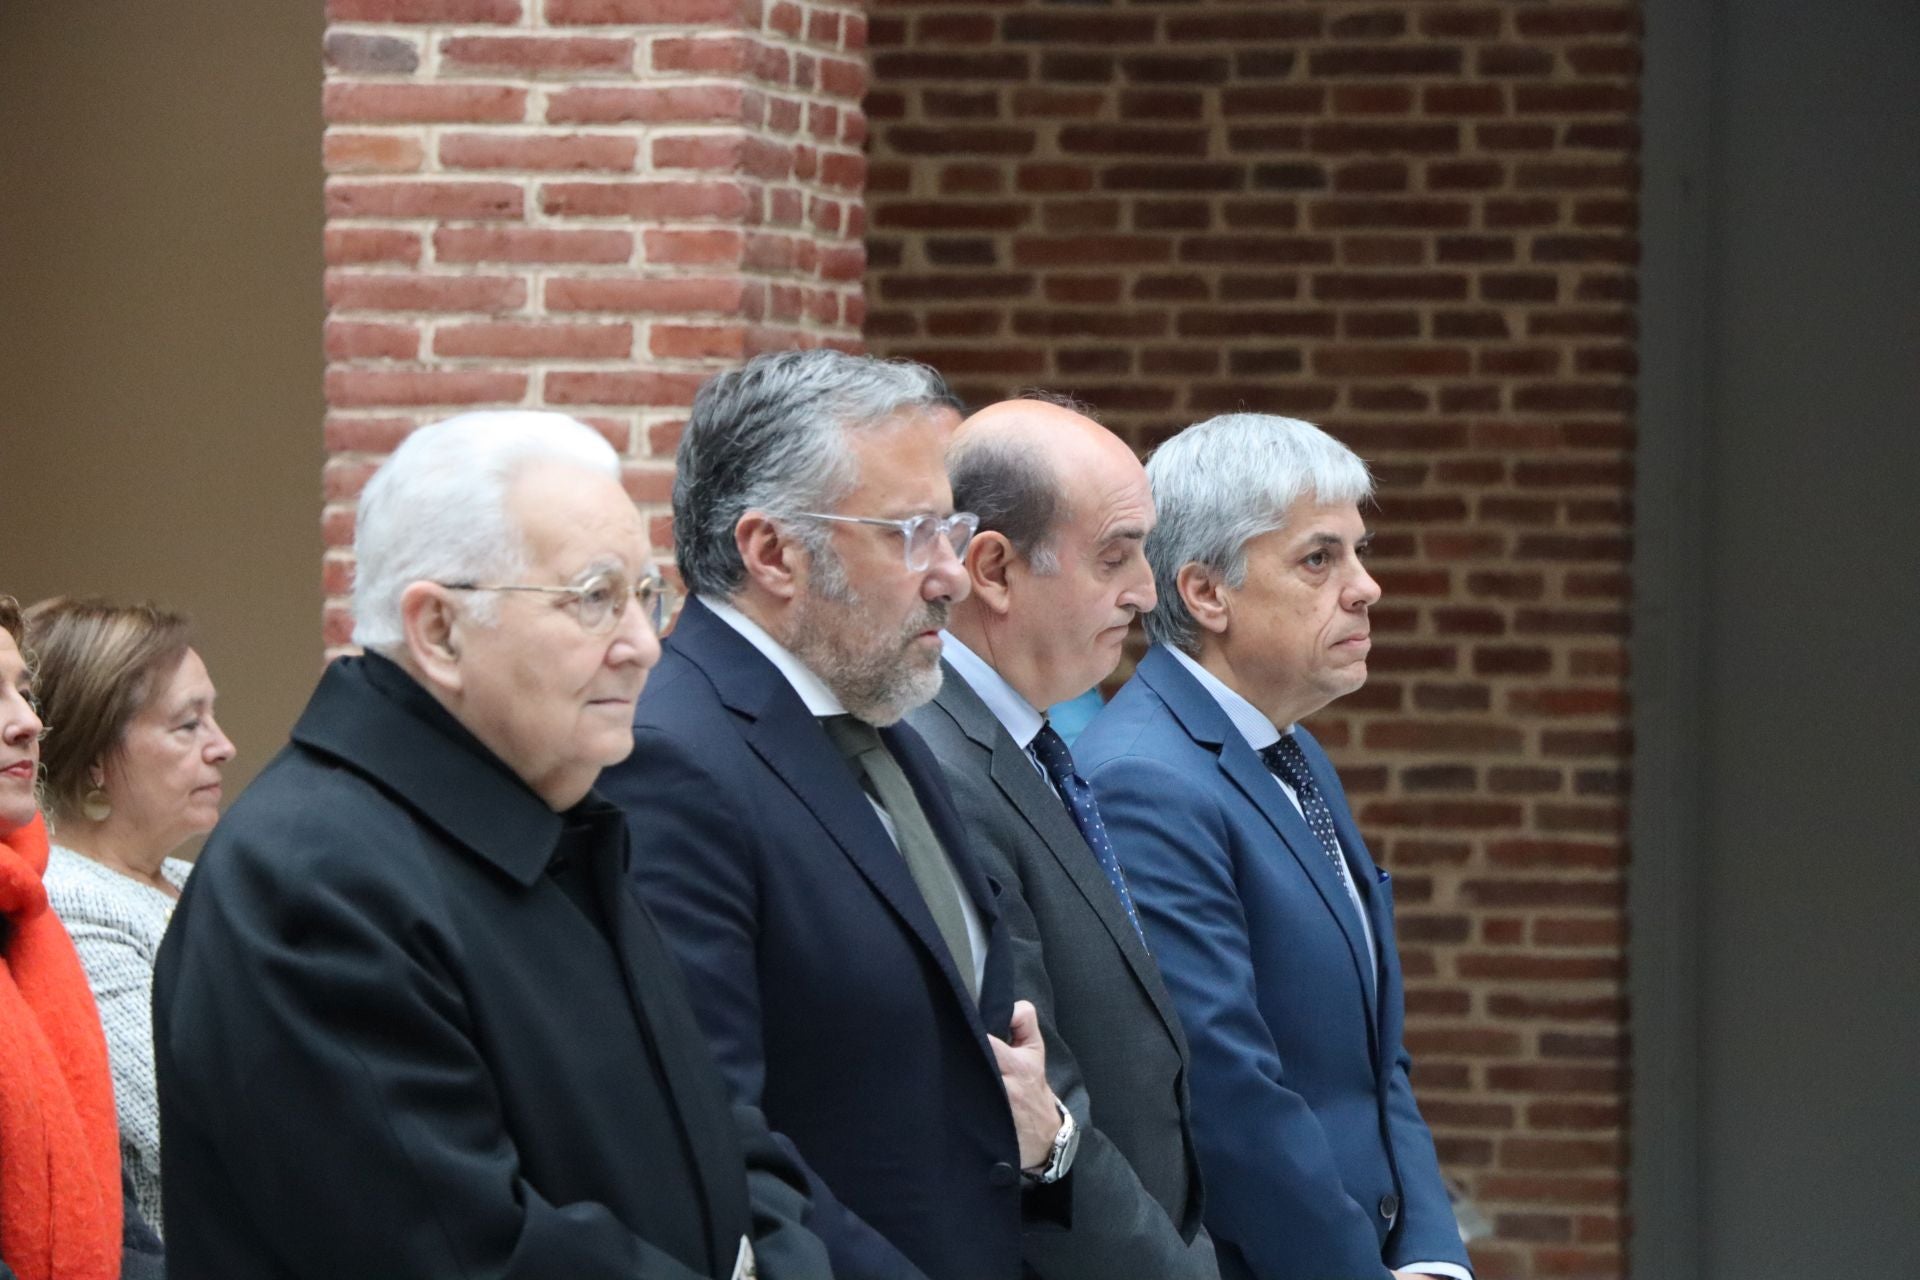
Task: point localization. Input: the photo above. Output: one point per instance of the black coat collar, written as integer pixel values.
(375, 719)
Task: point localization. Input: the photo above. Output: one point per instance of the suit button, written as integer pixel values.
(1003, 1175)
(1389, 1206)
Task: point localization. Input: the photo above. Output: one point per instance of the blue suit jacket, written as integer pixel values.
(1317, 1162)
(816, 968)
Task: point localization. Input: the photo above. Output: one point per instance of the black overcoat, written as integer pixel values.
(391, 1043)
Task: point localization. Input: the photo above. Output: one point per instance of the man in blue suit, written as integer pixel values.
(799, 847)
(1271, 924)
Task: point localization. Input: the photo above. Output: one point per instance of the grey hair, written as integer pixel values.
(769, 436)
(1014, 490)
(1222, 483)
(437, 509)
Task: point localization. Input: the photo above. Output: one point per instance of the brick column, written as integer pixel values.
(585, 205)
(1415, 224)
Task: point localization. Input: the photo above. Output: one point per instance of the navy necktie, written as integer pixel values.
(1050, 749)
(1289, 763)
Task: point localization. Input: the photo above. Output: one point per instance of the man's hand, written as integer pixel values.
(1023, 1071)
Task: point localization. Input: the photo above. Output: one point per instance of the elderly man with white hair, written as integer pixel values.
(410, 1020)
(1272, 925)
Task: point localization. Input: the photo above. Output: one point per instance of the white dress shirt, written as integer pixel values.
(822, 701)
(1015, 714)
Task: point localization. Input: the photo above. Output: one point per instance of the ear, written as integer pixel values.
(431, 623)
(1205, 597)
(989, 560)
(772, 559)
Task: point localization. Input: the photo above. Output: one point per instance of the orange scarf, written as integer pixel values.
(59, 1141)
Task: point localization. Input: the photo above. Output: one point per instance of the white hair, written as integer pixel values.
(1222, 483)
(437, 509)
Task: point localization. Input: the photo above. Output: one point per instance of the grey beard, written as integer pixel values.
(880, 697)
(877, 682)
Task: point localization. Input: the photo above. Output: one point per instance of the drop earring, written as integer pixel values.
(96, 806)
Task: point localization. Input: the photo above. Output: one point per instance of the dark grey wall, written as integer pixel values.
(1777, 830)
(160, 338)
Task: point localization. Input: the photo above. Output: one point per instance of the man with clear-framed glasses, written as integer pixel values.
(410, 1020)
(798, 844)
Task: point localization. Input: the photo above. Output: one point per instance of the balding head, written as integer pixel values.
(1061, 498)
(1016, 465)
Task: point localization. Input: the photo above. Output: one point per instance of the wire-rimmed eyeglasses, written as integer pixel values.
(599, 598)
(919, 535)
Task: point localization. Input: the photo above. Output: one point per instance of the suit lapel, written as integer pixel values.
(789, 740)
(1359, 861)
(1366, 874)
(1204, 721)
(1238, 761)
(929, 784)
(924, 774)
(1021, 785)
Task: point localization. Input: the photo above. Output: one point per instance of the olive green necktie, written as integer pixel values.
(926, 860)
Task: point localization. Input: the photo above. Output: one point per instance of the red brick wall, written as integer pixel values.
(585, 205)
(1415, 224)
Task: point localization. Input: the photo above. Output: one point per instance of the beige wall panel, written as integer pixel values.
(160, 317)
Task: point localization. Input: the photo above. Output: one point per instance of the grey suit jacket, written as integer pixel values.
(1115, 1052)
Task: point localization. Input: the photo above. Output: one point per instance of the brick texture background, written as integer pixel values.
(1413, 223)
(585, 205)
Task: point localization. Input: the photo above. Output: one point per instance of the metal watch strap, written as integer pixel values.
(1055, 1169)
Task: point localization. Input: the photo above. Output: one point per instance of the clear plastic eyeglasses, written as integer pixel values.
(600, 598)
(919, 534)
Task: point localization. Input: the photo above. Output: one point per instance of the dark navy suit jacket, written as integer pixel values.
(1318, 1164)
(816, 968)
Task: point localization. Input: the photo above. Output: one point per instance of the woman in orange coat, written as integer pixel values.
(60, 1188)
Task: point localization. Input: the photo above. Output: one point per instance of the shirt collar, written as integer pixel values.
(813, 691)
(1015, 714)
(1253, 725)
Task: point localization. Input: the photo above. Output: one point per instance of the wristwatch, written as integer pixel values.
(1060, 1155)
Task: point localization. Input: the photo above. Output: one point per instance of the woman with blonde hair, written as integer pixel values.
(132, 773)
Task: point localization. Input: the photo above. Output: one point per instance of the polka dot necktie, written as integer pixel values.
(1289, 764)
(1050, 749)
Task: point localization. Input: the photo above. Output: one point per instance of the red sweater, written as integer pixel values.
(59, 1141)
